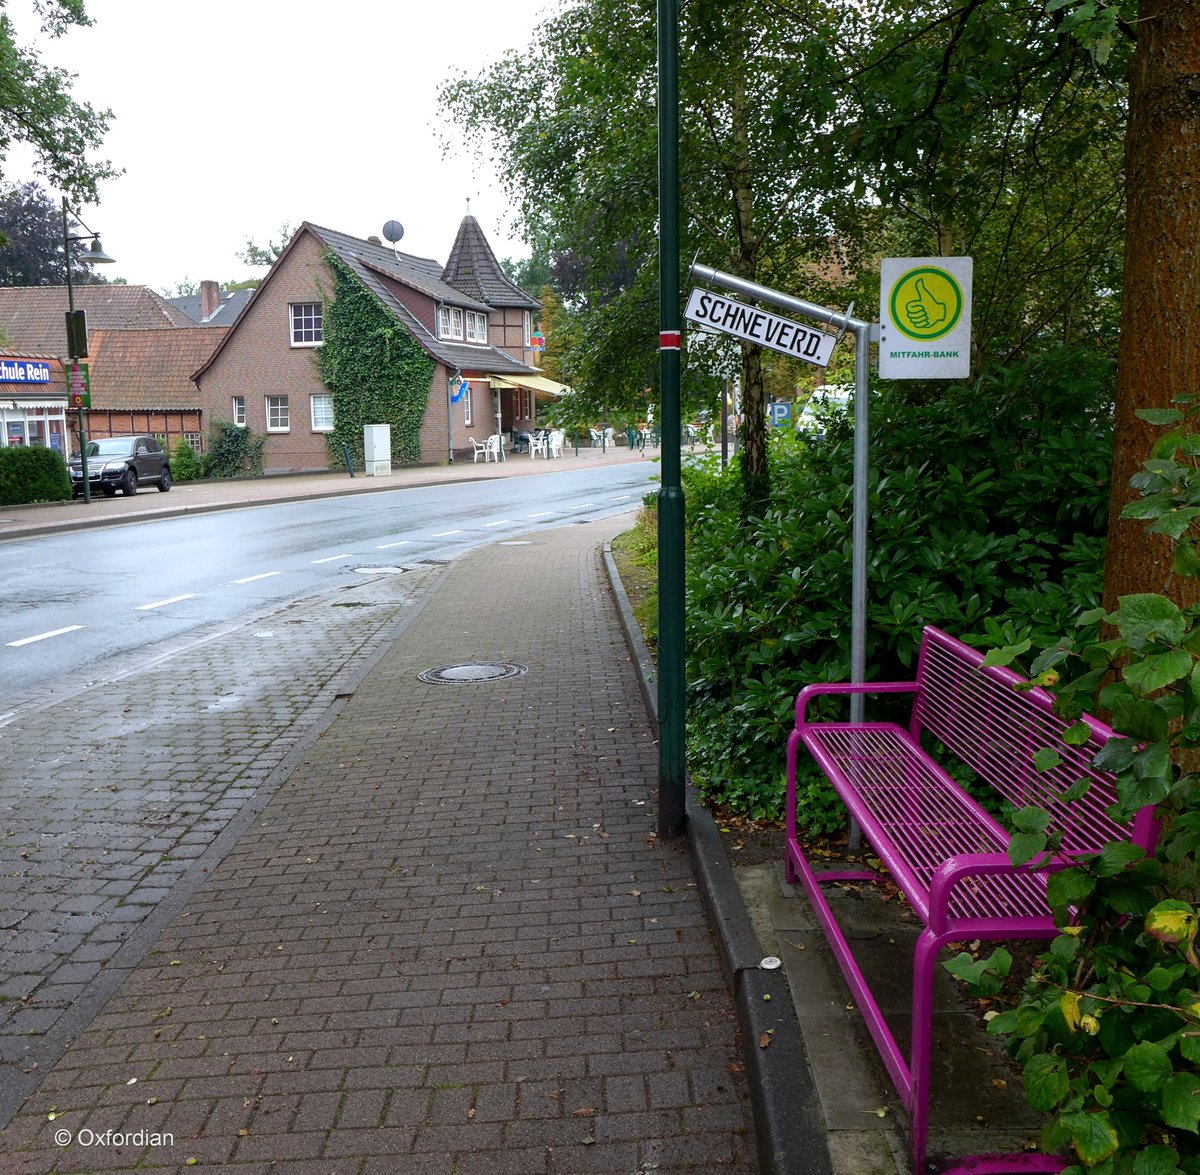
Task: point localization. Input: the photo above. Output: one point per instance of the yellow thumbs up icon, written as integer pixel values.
(926, 303)
(925, 311)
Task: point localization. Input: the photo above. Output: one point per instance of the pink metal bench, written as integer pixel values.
(944, 851)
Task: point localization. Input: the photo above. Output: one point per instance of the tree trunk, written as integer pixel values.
(753, 432)
(1159, 350)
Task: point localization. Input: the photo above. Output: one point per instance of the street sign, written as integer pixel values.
(760, 326)
(780, 413)
(925, 318)
(79, 386)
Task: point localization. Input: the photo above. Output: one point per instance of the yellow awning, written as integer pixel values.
(538, 383)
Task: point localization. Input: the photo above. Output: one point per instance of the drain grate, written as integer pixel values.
(473, 671)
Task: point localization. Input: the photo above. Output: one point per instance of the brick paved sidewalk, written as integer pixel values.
(450, 943)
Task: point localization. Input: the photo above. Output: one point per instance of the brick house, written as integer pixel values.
(142, 353)
(466, 317)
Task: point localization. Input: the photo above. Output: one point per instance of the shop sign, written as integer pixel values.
(24, 371)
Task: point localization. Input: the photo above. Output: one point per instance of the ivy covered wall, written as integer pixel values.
(375, 370)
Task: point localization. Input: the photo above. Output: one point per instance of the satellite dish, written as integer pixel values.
(393, 231)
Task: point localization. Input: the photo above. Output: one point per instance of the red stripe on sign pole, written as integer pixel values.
(670, 340)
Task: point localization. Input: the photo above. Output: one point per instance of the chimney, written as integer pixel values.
(210, 298)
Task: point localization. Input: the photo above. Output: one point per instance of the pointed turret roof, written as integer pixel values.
(474, 270)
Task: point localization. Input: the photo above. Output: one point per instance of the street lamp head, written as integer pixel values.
(97, 254)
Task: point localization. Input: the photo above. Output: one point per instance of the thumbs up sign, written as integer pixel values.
(925, 311)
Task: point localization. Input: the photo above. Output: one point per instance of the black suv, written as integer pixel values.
(122, 463)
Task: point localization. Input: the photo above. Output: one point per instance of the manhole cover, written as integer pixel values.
(473, 671)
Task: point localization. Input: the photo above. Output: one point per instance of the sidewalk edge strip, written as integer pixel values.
(789, 1125)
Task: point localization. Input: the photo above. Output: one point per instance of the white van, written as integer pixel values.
(825, 398)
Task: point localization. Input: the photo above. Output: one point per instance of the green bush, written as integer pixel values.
(988, 507)
(1107, 1031)
(185, 462)
(32, 474)
(233, 451)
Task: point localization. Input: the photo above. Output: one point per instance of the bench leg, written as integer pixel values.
(925, 958)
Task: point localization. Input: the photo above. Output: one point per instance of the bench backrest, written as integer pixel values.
(997, 729)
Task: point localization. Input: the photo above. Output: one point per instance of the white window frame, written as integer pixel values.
(450, 323)
(239, 411)
(476, 327)
(327, 399)
(527, 326)
(306, 318)
(273, 414)
(467, 405)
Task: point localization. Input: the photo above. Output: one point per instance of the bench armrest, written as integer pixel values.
(846, 687)
(961, 868)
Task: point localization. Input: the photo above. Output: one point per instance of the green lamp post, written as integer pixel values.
(77, 320)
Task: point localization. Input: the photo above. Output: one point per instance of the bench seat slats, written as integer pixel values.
(916, 818)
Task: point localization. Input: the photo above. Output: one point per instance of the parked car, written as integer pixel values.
(825, 401)
(122, 463)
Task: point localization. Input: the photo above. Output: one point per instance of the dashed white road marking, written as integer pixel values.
(44, 636)
(401, 543)
(542, 514)
(252, 578)
(164, 603)
(445, 534)
(333, 558)
(502, 522)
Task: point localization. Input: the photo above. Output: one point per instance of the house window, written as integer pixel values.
(467, 405)
(322, 413)
(306, 324)
(476, 327)
(195, 441)
(278, 419)
(239, 411)
(450, 323)
(527, 326)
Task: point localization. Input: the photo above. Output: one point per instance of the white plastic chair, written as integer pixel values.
(478, 448)
(492, 448)
(556, 442)
(537, 444)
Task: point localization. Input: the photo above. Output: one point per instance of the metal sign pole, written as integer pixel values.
(863, 333)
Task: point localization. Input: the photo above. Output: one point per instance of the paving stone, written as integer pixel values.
(425, 952)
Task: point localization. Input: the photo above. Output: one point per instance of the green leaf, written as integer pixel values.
(1024, 846)
(1115, 856)
(1007, 654)
(1158, 670)
(1157, 1160)
(1147, 1066)
(1077, 735)
(1187, 559)
(1094, 1137)
(1151, 616)
(1181, 1101)
(1163, 416)
(1069, 888)
(1046, 1081)
(1172, 921)
(1047, 758)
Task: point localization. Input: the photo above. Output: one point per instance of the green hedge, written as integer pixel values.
(32, 474)
(988, 508)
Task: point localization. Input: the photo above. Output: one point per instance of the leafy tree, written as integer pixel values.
(31, 230)
(266, 254)
(36, 107)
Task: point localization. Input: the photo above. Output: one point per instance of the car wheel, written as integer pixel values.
(129, 483)
(164, 482)
(109, 491)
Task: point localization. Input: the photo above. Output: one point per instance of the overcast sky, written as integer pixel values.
(232, 117)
